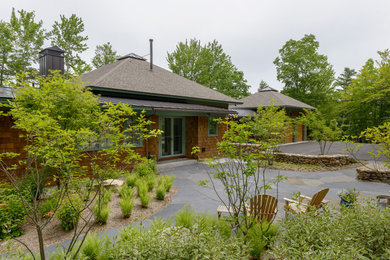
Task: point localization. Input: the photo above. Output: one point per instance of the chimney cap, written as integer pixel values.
(53, 48)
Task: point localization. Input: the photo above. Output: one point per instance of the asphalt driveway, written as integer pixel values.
(312, 147)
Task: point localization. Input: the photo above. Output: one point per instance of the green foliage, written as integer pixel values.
(270, 124)
(101, 213)
(161, 191)
(209, 66)
(379, 135)
(365, 102)
(146, 167)
(262, 85)
(104, 54)
(67, 34)
(357, 233)
(126, 191)
(259, 237)
(12, 215)
(131, 179)
(97, 248)
(143, 192)
(69, 212)
(349, 196)
(6, 47)
(345, 78)
(306, 74)
(321, 131)
(151, 181)
(27, 37)
(185, 217)
(168, 181)
(127, 204)
(163, 241)
(48, 205)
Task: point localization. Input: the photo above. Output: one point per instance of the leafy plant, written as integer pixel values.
(127, 204)
(349, 196)
(131, 179)
(96, 247)
(69, 212)
(151, 181)
(48, 205)
(126, 191)
(146, 167)
(169, 179)
(185, 217)
(259, 236)
(101, 213)
(160, 192)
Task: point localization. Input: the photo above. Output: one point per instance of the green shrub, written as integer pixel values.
(12, 215)
(131, 179)
(354, 233)
(127, 204)
(185, 217)
(95, 247)
(69, 212)
(48, 205)
(163, 241)
(160, 192)
(107, 197)
(145, 168)
(168, 182)
(101, 213)
(142, 186)
(126, 191)
(145, 199)
(150, 181)
(259, 236)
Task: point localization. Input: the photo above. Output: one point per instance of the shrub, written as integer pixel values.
(126, 191)
(127, 204)
(354, 233)
(107, 197)
(259, 236)
(95, 247)
(131, 179)
(160, 192)
(101, 213)
(12, 215)
(48, 205)
(145, 199)
(185, 217)
(145, 168)
(69, 212)
(150, 181)
(162, 241)
(168, 182)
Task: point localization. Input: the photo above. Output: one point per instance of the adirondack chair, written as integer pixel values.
(263, 207)
(306, 203)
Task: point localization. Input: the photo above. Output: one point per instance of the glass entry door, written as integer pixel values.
(172, 140)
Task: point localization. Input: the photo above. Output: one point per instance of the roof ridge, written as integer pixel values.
(111, 70)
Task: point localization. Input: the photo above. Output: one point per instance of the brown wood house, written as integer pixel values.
(264, 98)
(182, 108)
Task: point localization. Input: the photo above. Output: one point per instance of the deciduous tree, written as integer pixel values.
(68, 35)
(306, 74)
(208, 65)
(6, 49)
(104, 54)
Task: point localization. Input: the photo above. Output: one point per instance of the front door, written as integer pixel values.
(172, 142)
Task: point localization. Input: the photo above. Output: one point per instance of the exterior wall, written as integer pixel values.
(299, 135)
(206, 143)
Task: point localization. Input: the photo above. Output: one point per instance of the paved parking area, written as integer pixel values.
(312, 147)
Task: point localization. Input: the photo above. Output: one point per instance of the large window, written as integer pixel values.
(96, 142)
(133, 135)
(212, 126)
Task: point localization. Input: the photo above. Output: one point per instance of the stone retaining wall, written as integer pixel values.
(371, 172)
(326, 160)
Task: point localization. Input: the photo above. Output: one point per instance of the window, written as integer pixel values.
(212, 126)
(96, 142)
(133, 135)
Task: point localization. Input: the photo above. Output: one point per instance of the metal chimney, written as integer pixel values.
(51, 59)
(151, 54)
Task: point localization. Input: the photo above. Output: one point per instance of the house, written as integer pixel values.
(268, 96)
(182, 108)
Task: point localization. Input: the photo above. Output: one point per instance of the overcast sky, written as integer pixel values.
(251, 32)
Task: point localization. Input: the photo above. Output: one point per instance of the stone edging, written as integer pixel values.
(371, 172)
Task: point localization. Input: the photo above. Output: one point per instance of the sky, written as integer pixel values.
(251, 32)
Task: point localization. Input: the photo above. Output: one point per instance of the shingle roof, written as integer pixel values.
(166, 106)
(134, 75)
(264, 98)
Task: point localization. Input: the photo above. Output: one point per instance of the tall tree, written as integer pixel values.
(367, 98)
(345, 78)
(28, 40)
(306, 74)
(262, 85)
(67, 34)
(6, 49)
(208, 65)
(104, 54)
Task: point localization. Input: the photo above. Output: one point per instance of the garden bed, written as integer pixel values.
(54, 233)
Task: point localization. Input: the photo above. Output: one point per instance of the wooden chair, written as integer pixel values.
(263, 207)
(305, 203)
